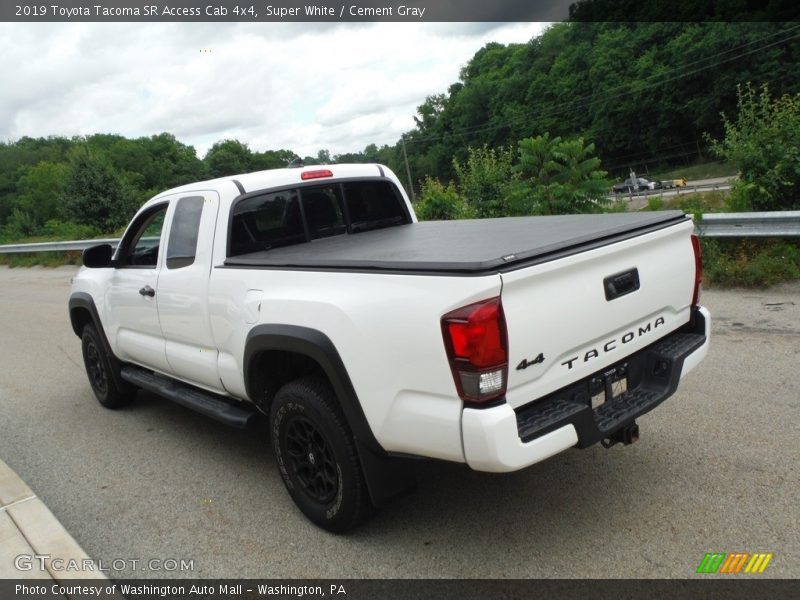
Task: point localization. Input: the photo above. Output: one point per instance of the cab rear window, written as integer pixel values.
(300, 215)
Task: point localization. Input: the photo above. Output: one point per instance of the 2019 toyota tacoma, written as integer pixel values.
(314, 296)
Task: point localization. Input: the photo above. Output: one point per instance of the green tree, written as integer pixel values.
(39, 191)
(229, 157)
(17, 157)
(150, 164)
(272, 159)
(559, 177)
(94, 193)
(370, 154)
(764, 143)
(171, 163)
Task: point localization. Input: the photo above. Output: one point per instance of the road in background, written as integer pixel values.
(638, 200)
(716, 470)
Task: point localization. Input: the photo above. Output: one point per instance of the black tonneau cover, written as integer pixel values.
(461, 247)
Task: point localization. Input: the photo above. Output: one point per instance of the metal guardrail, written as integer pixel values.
(691, 188)
(55, 246)
(784, 223)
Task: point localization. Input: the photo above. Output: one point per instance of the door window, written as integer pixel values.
(141, 249)
(183, 233)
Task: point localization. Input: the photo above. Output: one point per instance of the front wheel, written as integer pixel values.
(316, 455)
(99, 367)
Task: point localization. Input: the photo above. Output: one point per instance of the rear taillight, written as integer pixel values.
(698, 270)
(476, 342)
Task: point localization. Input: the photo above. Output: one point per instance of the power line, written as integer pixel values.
(655, 155)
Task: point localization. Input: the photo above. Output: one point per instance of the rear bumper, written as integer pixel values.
(500, 438)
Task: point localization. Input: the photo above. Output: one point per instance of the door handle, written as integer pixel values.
(147, 291)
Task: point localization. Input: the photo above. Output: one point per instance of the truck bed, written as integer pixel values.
(469, 247)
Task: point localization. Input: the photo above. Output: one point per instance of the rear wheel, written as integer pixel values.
(99, 370)
(316, 455)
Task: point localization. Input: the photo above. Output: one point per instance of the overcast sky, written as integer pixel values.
(298, 86)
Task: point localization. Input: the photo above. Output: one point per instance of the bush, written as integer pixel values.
(750, 262)
(487, 180)
(61, 230)
(41, 259)
(21, 224)
(441, 203)
(560, 176)
(700, 203)
(764, 145)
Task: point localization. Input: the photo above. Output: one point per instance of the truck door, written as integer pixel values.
(182, 296)
(133, 314)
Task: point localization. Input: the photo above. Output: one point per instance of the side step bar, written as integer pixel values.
(206, 403)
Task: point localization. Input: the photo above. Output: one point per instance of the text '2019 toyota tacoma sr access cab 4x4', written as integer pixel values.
(314, 296)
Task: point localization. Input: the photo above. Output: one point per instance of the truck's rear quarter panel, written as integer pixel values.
(386, 329)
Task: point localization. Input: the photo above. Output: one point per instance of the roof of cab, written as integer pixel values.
(271, 178)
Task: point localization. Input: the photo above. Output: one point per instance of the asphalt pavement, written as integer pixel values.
(146, 487)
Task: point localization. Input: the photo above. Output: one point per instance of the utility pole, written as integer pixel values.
(634, 183)
(408, 168)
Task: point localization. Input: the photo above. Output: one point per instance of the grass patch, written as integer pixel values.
(699, 202)
(701, 171)
(750, 262)
(41, 259)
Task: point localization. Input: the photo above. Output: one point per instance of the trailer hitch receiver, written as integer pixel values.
(627, 435)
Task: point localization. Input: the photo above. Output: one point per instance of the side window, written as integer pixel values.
(182, 244)
(323, 211)
(265, 222)
(142, 249)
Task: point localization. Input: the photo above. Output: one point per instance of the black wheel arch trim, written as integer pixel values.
(84, 301)
(387, 477)
(317, 346)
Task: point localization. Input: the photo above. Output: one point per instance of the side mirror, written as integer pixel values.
(98, 257)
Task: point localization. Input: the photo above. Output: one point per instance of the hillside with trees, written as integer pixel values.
(644, 93)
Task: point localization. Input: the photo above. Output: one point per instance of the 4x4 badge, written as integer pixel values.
(527, 363)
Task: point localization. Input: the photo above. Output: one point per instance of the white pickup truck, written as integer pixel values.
(313, 295)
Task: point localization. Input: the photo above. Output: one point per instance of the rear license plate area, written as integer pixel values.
(609, 385)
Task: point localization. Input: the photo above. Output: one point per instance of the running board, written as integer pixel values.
(206, 403)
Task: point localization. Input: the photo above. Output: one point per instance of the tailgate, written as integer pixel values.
(574, 316)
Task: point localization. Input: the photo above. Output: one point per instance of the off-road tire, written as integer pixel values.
(99, 368)
(316, 455)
